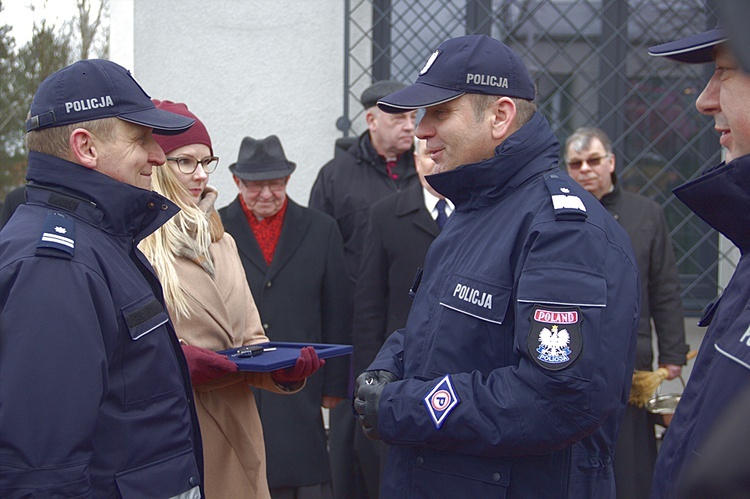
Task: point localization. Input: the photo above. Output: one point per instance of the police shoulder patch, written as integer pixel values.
(567, 206)
(555, 340)
(58, 237)
(441, 400)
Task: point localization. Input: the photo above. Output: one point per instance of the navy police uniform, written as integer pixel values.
(722, 368)
(516, 359)
(95, 397)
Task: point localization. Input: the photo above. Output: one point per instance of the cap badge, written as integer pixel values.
(430, 61)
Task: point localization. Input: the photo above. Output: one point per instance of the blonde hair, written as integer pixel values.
(189, 230)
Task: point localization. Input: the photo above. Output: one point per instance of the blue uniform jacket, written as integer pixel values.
(95, 397)
(518, 352)
(721, 197)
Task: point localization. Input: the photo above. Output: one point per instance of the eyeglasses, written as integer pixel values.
(255, 186)
(188, 165)
(592, 162)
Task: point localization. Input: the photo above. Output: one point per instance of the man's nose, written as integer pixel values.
(708, 101)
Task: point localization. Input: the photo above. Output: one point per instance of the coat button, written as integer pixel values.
(151, 205)
(268, 284)
(266, 325)
(194, 482)
(496, 477)
(164, 207)
(420, 461)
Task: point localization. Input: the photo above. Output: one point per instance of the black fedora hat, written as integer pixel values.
(262, 159)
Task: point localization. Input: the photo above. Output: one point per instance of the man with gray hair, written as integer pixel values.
(95, 397)
(590, 161)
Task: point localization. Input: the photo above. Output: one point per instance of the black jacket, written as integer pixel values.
(643, 220)
(349, 184)
(304, 296)
(400, 232)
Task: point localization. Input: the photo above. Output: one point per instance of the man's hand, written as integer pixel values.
(307, 363)
(330, 402)
(205, 365)
(674, 371)
(367, 390)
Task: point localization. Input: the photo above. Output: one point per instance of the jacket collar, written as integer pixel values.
(611, 198)
(532, 149)
(721, 197)
(118, 208)
(364, 151)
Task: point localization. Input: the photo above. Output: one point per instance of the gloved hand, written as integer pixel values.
(307, 363)
(206, 365)
(367, 390)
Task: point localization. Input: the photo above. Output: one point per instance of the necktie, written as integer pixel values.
(442, 217)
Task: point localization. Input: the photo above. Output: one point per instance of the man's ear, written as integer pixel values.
(83, 148)
(503, 115)
(370, 118)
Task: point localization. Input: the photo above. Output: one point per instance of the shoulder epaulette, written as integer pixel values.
(567, 206)
(58, 237)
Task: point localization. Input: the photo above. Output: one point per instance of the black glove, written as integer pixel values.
(367, 390)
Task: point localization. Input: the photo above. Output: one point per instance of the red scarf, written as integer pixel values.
(266, 231)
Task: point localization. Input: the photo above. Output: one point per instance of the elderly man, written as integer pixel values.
(591, 162)
(721, 197)
(95, 398)
(513, 371)
(294, 262)
(378, 164)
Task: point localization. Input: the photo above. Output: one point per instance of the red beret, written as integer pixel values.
(196, 134)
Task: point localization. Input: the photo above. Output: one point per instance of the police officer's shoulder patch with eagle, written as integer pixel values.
(555, 340)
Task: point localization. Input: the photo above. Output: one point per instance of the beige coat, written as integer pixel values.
(223, 315)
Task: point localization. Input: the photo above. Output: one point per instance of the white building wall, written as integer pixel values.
(246, 68)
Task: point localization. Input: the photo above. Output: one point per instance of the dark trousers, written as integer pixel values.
(635, 454)
(346, 473)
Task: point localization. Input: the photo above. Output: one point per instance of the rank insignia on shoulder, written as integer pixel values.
(58, 237)
(441, 401)
(567, 206)
(555, 340)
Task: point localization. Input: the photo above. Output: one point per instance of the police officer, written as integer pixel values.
(95, 397)
(514, 368)
(721, 198)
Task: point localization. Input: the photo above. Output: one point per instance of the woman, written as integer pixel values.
(212, 309)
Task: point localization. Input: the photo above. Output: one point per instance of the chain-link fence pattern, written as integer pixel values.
(590, 63)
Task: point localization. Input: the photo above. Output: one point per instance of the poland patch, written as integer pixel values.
(441, 401)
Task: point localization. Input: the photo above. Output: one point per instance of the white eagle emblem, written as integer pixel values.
(554, 345)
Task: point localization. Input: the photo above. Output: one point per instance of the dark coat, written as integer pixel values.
(304, 296)
(349, 184)
(643, 220)
(13, 200)
(400, 232)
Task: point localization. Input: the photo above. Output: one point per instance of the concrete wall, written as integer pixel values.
(246, 68)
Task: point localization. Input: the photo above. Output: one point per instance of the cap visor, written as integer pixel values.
(416, 96)
(693, 49)
(163, 122)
